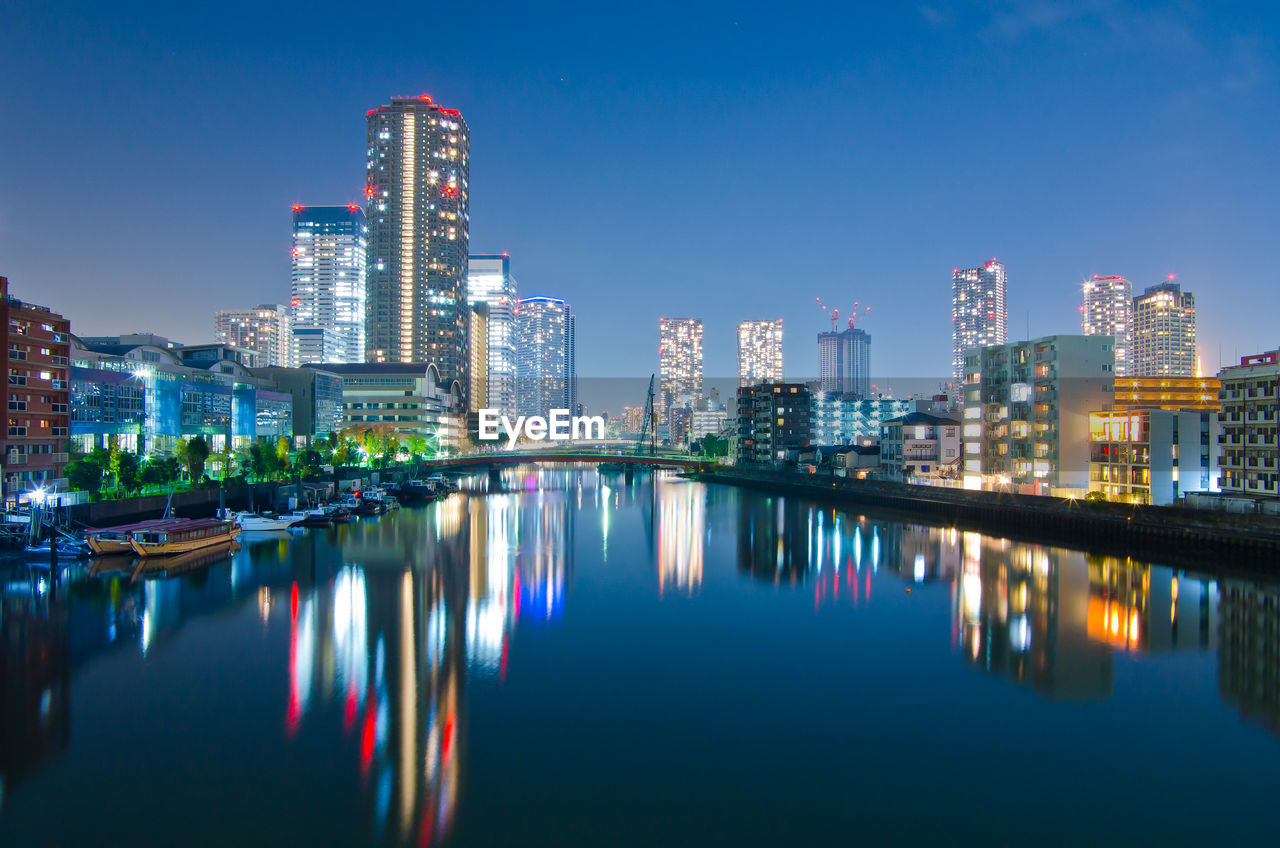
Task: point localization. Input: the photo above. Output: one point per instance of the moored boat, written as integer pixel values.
(308, 518)
(252, 521)
(63, 549)
(416, 491)
(191, 536)
(105, 541)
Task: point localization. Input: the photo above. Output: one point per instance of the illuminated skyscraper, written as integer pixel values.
(679, 363)
(1164, 332)
(979, 315)
(327, 304)
(417, 184)
(546, 374)
(1108, 311)
(489, 281)
(759, 352)
(266, 329)
(844, 362)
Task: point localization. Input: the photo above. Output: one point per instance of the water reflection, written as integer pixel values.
(377, 634)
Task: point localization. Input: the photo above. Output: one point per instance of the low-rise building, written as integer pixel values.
(1026, 412)
(774, 422)
(920, 446)
(33, 448)
(316, 395)
(147, 398)
(1250, 444)
(405, 398)
(858, 460)
(1153, 456)
(707, 422)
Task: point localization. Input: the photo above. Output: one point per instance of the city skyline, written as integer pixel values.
(1184, 226)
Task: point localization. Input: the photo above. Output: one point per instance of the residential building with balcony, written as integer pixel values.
(774, 421)
(1250, 442)
(1153, 456)
(846, 419)
(1026, 412)
(920, 447)
(33, 447)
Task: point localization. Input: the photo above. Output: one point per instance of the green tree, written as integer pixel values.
(127, 469)
(714, 446)
(85, 475)
(309, 462)
(195, 452)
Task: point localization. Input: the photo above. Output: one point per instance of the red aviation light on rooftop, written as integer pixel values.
(1172, 277)
(453, 113)
(296, 207)
(370, 113)
(368, 191)
(352, 207)
(505, 254)
(426, 98)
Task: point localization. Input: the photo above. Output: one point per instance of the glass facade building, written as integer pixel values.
(1108, 311)
(148, 401)
(844, 362)
(546, 372)
(489, 282)
(679, 363)
(759, 352)
(979, 311)
(417, 188)
(1164, 332)
(327, 305)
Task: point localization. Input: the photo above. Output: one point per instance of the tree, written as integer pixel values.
(85, 475)
(127, 469)
(195, 452)
(714, 446)
(309, 462)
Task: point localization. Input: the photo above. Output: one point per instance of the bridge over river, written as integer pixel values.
(494, 462)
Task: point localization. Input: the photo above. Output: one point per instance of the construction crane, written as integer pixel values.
(834, 314)
(650, 425)
(856, 312)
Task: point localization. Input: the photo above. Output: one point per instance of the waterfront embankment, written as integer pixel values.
(1178, 532)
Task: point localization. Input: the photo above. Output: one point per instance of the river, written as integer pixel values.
(574, 660)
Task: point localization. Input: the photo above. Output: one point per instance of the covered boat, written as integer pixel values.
(191, 536)
(105, 541)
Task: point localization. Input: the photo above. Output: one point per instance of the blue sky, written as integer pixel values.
(724, 161)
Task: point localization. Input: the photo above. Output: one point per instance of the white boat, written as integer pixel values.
(250, 521)
(308, 518)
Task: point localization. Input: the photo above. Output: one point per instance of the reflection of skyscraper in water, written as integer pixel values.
(1022, 611)
(1249, 650)
(681, 523)
(773, 543)
(923, 554)
(387, 644)
(35, 674)
(544, 552)
(789, 540)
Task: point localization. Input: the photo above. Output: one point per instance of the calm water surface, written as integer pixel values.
(577, 661)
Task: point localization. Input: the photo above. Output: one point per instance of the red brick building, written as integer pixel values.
(33, 448)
